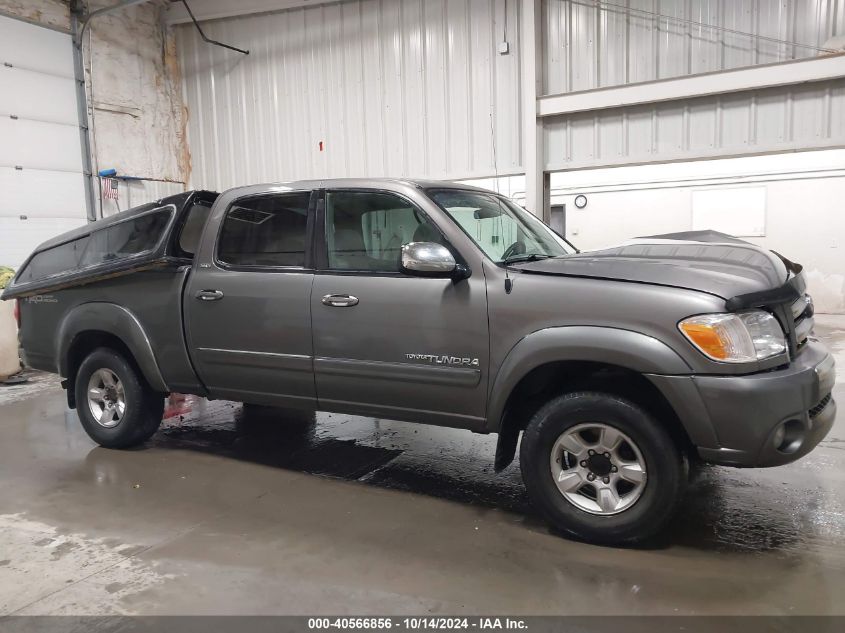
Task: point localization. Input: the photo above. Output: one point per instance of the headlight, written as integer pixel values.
(742, 337)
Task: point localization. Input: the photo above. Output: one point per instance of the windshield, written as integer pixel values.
(504, 231)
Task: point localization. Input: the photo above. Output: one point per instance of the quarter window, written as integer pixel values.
(365, 230)
(266, 231)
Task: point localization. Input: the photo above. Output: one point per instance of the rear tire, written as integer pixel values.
(113, 401)
(601, 468)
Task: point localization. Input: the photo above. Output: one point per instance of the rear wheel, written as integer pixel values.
(114, 403)
(601, 468)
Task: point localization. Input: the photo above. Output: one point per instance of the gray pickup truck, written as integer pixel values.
(441, 304)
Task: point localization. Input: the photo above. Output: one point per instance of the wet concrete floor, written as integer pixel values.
(233, 511)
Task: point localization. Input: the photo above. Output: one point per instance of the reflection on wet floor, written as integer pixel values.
(441, 462)
(744, 510)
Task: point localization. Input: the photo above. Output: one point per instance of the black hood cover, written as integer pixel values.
(707, 261)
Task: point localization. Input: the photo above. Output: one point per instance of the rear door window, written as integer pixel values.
(266, 231)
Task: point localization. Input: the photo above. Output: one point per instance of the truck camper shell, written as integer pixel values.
(159, 234)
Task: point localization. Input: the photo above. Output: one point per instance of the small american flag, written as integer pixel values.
(110, 189)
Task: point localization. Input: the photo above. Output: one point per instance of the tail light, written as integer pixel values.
(18, 312)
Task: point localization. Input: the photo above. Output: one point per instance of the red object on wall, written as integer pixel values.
(321, 146)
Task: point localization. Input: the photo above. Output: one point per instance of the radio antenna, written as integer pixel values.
(508, 281)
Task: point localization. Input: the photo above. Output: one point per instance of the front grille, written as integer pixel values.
(802, 320)
(801, 305)
(820, 406)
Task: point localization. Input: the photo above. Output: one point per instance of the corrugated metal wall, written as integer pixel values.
(390, 88)
(778, 119)
(589, 45)
(417, 88)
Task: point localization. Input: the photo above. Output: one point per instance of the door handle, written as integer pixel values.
(340, 301)
(209, 295)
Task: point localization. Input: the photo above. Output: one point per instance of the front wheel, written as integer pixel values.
(601, 468)
(114, 403)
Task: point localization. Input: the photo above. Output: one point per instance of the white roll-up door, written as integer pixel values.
(42, 189)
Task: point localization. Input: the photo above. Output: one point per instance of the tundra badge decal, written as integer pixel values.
(436, 359)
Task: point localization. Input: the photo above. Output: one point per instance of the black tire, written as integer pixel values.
(665, 465)
(143, 406)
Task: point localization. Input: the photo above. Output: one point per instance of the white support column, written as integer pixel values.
(536, 188)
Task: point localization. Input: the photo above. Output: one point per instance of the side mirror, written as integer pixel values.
(428, 259)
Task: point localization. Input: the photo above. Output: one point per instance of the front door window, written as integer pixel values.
(365, 230)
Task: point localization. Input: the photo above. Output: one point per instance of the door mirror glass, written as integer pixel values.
(427, 259)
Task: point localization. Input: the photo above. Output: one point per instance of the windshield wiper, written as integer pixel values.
(525, 257)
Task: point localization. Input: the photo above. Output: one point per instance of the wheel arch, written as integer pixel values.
(97, 324)
(552, 361)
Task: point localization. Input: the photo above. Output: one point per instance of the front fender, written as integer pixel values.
(623, 348)
(117, 321)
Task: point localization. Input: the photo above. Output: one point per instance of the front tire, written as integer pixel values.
(113, 401)
(601, 468)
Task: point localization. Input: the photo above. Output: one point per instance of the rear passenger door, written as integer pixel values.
(247, 304)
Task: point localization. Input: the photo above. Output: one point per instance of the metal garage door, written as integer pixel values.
(41, 180)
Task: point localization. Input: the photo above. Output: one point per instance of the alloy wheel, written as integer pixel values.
(106, 398)
(598, 469)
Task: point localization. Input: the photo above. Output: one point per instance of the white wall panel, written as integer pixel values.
(39, 193)
(39, 132)
(55, 96)
(767, 192)
(390, 88)
(39, 145)
(804, 116)
(588, 46)
(35, 48)
(18, 238)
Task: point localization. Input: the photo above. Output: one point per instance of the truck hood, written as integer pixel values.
(706, 261)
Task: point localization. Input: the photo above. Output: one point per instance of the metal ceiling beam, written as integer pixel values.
(217, 9)
(689, 87)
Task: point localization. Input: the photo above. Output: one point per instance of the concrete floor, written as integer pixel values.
(231, 513)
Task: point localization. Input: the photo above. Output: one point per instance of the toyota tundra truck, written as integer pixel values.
(443, 304)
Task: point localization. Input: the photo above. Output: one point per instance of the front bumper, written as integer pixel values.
(733, 419)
